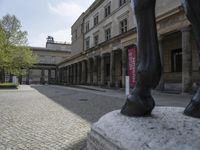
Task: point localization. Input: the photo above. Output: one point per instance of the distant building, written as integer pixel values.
(48, 58)
(103, 34)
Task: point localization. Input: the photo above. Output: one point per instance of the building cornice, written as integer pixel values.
(48, 50)
(169, 13)
(71, 58)
(94, 5)
(131, 31)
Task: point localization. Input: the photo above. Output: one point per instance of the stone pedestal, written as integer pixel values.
(166, 129)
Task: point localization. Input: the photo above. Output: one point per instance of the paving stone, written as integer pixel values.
(41, 118)
(53, 117)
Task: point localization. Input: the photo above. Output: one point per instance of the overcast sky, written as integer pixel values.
(45, 17)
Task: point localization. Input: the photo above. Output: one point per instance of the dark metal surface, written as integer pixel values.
(192, 10)
(141, 102)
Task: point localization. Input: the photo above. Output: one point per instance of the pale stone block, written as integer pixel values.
(166, 129)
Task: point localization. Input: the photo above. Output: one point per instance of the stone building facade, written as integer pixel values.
(77, 36)
(45, 70)
(108, 30)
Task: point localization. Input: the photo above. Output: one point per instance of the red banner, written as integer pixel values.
(132, 58)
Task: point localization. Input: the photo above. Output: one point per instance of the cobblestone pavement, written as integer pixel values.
(50, 117)
(56, 117)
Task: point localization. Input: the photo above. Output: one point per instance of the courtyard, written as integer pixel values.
(57, 117)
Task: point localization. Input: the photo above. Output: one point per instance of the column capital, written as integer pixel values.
(186, 29)
(94, 57)
(102, 55)
(160, 37)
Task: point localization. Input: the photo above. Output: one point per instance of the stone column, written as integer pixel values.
(95, 68)
(66, 69)
(42, 77)
(61, 76)
(65, 75)
(112, 69)
(102, 71)
(70, 74)
(56, 76)
(83, 72)
(161, 85)
(68, 78)
(98, 70)
(88, 71)
(124, 66)
(78, 74)
(187, 60)
(27, 76)
(74, 73)
(49, 76)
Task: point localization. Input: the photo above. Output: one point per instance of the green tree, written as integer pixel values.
(15, 56)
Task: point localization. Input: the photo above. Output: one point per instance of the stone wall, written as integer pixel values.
(77, 36)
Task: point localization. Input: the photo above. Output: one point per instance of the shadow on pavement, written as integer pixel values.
(87, 105)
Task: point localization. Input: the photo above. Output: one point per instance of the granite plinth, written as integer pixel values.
(166, 129)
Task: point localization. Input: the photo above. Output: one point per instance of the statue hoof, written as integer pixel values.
(193, 109)
(137, 106)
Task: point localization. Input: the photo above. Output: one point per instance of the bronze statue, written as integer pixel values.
(141, 102)
(192, 10)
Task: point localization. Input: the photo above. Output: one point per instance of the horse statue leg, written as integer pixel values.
(192, 10)
(141, 102)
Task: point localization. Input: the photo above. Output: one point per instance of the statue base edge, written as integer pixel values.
(166, 128)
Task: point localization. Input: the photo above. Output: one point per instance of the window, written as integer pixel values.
(96, 40)
(87, 26)
(96, 20)
(53, 59)
(121, 2)
(87, 43)
(176, 60)
(107, 34)
(107, 10)
(123, 26)
(42, 59)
